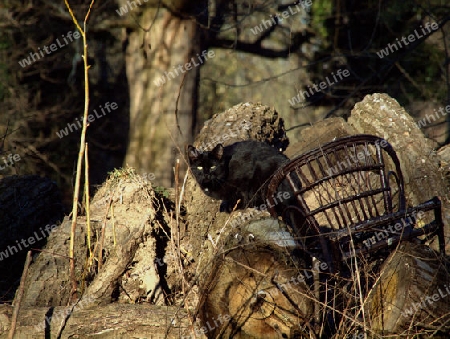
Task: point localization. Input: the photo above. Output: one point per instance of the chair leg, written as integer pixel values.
(327, 254)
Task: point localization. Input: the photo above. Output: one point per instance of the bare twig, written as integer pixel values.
(74, 294)
(86, 192)
(19, 297)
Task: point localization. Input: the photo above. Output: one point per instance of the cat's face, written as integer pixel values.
(208, 168)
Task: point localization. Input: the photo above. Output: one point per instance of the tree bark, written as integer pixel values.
(108, 321)
(255, 287)
(162, 115)
(412, 293)
(241, 122)
(119, 229)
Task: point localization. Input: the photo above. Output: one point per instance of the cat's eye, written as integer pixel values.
(199, 168)
(213, 168)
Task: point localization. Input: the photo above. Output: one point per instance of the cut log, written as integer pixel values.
(256, 288)
(318, 134)
(242, 122)
(124, 225)
(109, 321)
(381, 115)
(412, 294)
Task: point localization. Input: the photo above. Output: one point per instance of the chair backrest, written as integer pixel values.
(342, 183)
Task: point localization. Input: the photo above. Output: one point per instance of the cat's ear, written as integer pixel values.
(192, 153)
(217, 152)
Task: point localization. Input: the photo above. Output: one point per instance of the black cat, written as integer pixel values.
(238, 171)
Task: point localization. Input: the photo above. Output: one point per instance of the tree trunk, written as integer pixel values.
(123, 223)
(162, 91)
(381, 115)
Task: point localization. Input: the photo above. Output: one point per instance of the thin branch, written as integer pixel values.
(74, 294)
(19, 296)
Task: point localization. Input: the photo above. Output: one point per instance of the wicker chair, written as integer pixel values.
(349, 200)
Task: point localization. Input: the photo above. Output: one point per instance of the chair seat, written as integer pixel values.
(389, 230)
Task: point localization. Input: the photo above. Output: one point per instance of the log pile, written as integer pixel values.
(207, 273)
(232, 268)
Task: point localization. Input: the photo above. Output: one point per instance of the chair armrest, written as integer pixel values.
(392, 218)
